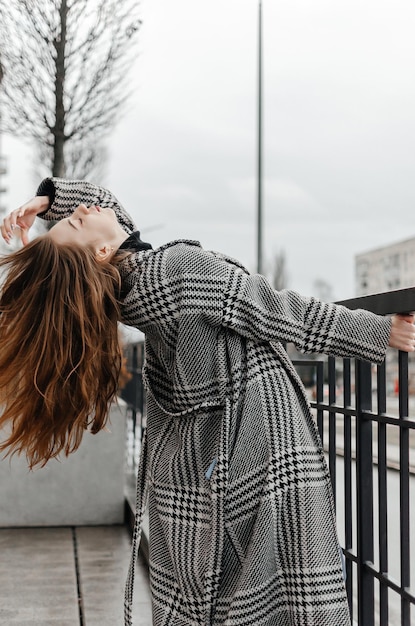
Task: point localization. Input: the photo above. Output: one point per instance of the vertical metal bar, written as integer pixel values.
(382, 496)
(332, 422)
(404, 486)
(259, 155)
(347, 386)
(364, 489)
(348, 503)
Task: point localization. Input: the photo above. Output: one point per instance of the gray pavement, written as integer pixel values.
(68, 577)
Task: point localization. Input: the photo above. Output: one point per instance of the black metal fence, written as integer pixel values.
(365, 416)
(133, 394)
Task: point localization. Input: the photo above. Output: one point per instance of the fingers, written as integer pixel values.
(407, 336)
(10, 223)
(20, 219)
(402, 334)
(407, 343)
(408, 317)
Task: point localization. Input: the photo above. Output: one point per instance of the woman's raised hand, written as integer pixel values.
(402, 334)
(23, 218)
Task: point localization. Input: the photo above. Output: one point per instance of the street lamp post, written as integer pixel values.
(259, 146)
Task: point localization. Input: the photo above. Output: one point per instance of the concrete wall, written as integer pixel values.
(87, 488)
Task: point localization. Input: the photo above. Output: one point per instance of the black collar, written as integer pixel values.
(134, 243)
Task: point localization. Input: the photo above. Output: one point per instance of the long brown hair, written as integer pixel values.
(60, 355)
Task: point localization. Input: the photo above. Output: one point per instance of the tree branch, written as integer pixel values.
(98, 47)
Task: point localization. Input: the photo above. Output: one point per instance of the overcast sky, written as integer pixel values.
(339, 130)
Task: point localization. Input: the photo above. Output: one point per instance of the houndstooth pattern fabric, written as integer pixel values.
(242, 523)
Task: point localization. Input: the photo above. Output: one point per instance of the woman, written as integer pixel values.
(242, 523)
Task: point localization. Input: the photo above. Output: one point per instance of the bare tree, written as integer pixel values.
(65, 78)
(279, 271)
(323, 290)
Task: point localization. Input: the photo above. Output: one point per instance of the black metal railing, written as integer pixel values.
(365, 416)
(134, 396)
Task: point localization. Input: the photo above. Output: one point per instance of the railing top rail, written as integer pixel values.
(398, 301)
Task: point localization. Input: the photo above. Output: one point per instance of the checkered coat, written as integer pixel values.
(242, 523)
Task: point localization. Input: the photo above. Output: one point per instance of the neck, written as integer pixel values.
(119, 237)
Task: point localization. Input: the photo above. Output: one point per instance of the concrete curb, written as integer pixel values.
(84, 489)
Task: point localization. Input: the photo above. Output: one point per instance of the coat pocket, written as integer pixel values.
(184, 518)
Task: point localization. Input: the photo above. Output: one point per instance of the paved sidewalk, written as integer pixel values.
(68, 577)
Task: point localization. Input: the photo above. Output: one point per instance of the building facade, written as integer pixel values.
(385, 269)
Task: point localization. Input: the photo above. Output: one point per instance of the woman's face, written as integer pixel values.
(93, 227)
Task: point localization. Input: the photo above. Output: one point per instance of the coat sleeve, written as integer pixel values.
(254, 309)
(65, 195)
(226, 295)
